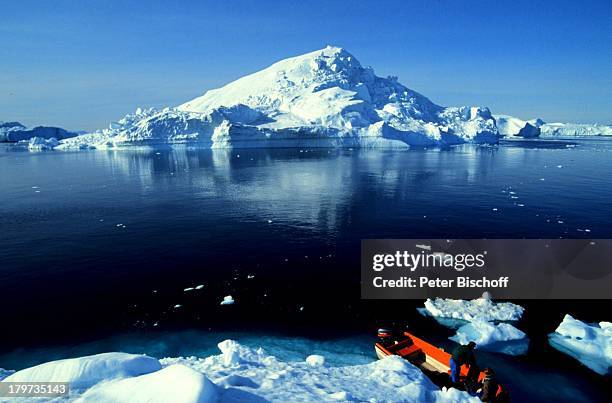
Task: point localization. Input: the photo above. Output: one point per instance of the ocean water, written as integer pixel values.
(95, 245)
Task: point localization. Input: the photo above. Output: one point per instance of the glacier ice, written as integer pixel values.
(324, 98)
(242, 373)
(591, 344)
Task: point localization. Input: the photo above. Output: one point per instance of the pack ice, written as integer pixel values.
(591, 344)
(239, 374)
(324, 98)
(478, 320)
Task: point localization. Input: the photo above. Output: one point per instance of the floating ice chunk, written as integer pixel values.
(42, 144)
(470, 310)
(502, 337)
(227, 300)
(342, 396)
(84, 372)
(591, 344)
(315, 360)
(176, 383)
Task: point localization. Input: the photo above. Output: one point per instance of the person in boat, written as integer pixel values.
(462, 355)
(489, 386)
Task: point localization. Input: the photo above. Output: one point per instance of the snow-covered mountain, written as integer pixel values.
(322, 98)
(509, 126)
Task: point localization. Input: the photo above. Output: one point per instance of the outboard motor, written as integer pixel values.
(385, 336)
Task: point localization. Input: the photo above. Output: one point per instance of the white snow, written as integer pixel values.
(591, 344)
(511, 126)
(86, 371)
(16, 132)
(575, 129)
(475, 320)
(41, 144)
(241, 373)
(501, 337)
(250, 373)
(4, 373)
(324, 98)
(315, 360)
(175, 383)
(477, 309)
(227, 300)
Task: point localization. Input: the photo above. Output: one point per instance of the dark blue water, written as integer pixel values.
(94, 244)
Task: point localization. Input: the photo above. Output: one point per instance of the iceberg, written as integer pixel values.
(242, 373)
(41, 144)
(575, 130)
(501, 337)
(15, 132)
(476, 320)
(509, 126)
(324, 98)
(591, 344)
(482, 309)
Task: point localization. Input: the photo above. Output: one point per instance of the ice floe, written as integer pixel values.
(239, 373)
(591, 344)
(315, 360)
(227, 300)
(85, 372)
(477, 320)
(175, 383)
(476, 309)
(500, 337)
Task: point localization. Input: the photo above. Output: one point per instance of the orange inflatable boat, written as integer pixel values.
(432, 360)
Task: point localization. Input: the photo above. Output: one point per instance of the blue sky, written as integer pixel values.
(81, 64)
